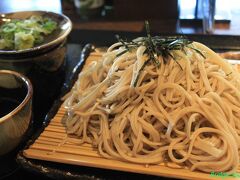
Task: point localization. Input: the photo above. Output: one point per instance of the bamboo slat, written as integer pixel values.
(54, 145)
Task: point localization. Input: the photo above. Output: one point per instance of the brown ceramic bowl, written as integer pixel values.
(15, 109)
(64, 28)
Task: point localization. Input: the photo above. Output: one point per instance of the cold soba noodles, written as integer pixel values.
(153, 100)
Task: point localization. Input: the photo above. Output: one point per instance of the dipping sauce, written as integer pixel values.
(11, 99)
(7, 105)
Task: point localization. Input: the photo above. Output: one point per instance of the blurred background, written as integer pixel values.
(165, 16)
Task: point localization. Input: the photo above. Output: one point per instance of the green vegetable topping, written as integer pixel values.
(157, 46)
(24, 34)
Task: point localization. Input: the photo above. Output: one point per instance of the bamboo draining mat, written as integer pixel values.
(52, 145)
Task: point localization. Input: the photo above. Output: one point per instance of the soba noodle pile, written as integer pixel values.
(186, 112)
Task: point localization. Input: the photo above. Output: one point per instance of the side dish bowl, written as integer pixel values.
(64, 27)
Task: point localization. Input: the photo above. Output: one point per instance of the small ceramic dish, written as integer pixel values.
(15, 109)
(64, 27)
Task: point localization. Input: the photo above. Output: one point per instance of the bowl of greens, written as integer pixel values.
(28, 31)
(33, 43)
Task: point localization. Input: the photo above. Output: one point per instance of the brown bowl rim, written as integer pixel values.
(29, 56)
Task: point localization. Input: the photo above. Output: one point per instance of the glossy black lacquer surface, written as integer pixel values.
(63, 171)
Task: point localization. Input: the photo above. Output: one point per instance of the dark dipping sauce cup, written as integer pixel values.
(46, 70)
(15, 116)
